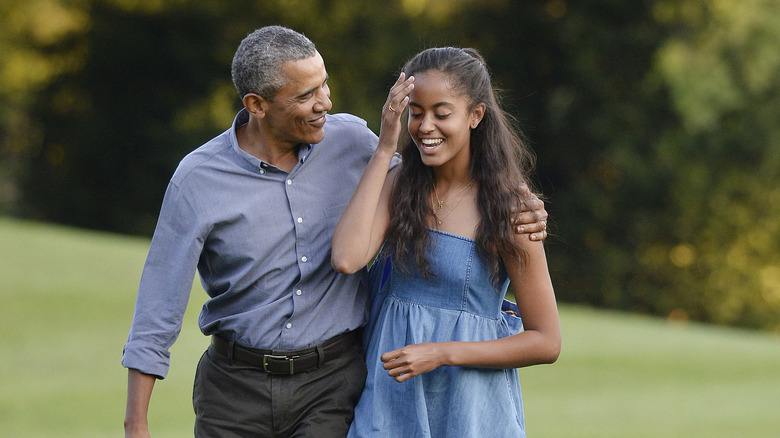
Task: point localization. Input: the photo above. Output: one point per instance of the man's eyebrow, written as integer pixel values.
(307, 92)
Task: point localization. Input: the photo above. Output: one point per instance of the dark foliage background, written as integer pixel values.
(654, 122)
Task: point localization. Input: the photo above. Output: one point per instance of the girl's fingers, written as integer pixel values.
(400, 90)
(390, 355)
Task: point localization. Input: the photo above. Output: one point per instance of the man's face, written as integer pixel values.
(297, 112)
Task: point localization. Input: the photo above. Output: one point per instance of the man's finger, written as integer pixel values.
(531, 219)
(523, 188)
(533, 227)
(539, 236)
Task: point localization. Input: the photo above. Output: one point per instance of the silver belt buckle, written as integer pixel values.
(289, 359)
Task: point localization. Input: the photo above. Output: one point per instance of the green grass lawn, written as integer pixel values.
(67, 299)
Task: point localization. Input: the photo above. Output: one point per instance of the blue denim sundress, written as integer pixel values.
(458, 303)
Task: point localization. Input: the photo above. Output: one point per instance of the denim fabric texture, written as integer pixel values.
(460, 303)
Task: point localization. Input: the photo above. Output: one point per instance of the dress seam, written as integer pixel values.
(402, 301)
(467, 280)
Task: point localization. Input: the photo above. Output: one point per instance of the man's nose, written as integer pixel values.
(323, 102)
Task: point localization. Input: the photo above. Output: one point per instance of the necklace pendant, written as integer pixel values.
(439, 222)
(440, 203)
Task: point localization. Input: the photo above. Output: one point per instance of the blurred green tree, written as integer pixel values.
(28, 28)
(722, 69)
(150, 87)
(654, 122)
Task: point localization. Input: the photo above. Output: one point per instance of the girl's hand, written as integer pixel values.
(397, 100)
(413, 360)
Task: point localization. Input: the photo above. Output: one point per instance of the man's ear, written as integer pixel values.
(476, 115)
(255, 104)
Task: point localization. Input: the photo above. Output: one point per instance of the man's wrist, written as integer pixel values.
(133, 424)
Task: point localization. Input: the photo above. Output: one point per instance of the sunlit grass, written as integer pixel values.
(67, 300)
(65, 310)
(629, 376)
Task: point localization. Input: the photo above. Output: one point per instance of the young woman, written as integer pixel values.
(441, 354)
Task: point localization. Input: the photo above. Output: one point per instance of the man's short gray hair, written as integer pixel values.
(257, 64)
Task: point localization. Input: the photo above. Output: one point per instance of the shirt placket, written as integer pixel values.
(299, 214)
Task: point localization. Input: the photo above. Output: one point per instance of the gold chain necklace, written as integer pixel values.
(441, 203)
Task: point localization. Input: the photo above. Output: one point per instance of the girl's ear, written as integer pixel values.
(476, 115)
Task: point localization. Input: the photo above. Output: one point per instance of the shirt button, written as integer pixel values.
(300, 220)
(298, 292)
(288, 325)
(289, 182)
(262, 171)
(304, 259)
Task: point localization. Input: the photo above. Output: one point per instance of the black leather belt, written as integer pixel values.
(287, 362)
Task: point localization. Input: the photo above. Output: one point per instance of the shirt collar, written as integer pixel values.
(242, 118)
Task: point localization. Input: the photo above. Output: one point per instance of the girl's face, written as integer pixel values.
(440, 122)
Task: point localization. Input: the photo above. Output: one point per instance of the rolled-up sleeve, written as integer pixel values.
(165, 286)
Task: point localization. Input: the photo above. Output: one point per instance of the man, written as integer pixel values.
(254, 209)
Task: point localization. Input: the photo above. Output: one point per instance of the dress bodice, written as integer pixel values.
(459, 282)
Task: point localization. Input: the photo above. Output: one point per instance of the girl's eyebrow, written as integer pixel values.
(435, 105)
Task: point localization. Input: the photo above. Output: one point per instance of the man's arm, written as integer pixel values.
(139, 393)
(163, 292)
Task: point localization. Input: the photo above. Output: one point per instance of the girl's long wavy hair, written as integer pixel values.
(500, 162)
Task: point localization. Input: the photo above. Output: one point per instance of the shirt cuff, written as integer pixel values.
(147, 358)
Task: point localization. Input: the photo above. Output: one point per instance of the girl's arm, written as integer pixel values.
(363, 225)
(540, 341)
